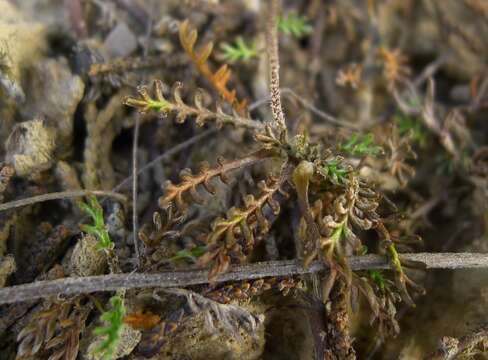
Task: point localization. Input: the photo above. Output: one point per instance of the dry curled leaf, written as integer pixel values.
(219, 78)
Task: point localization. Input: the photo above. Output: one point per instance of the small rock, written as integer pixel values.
(7, 267)
(87, 259)
(121, 42)
(22, 42)
(30, 147)
(20, 39)
(54, 93)
(129, 338)
(195, 342)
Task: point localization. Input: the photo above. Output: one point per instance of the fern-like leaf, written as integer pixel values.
(98, 229)
(56, 329)
(360, 145)
(295, 25)
(146, 103)
(41, 329)
(174, 193)
(239, 51)
(159, 104)
(66, 345)
(219, 78)
(114, 320)
(243, 223)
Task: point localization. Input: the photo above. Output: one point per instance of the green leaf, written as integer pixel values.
(189, 254)
(295, 25)
(359, 145)
(111, 331)
(98, 229)
(363, 250)
(88, 210)
(89, 229)
(239, 51)
(377, 277)
(337, 234)
(411, 125)
(334, 171)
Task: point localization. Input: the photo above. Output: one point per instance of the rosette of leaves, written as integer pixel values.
(313, 170)
(336, 205)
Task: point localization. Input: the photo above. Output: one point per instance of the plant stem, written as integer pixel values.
(135, 234)
(167, 154)
(274, 65)
(112, 282)
(59, 196)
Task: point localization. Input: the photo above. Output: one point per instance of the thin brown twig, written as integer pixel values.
(323, 115)
(135, 144)
(112, 282)
(135, 237)
(60, 195)
(290, 94)
(274, 65)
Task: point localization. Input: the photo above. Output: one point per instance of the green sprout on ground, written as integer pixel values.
(111, 332)
(98, 229)
(408, 124)
(359, 145)
(376, 275)
(295, 25)
(334, 170)
(189, 254)
(378, 278)
(239, 51)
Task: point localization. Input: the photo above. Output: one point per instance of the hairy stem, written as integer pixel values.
(274, 65)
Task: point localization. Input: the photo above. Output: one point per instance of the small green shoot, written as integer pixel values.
(295, 25)
(114, 323)
(376, 275)
(336, 237)
(378, 278)
(408, 124)
(363, 250)
(98, 229)
(359, 145)
(239, 51)
(189, 254)
(334, 171)
(145, 103)
(157, 105)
